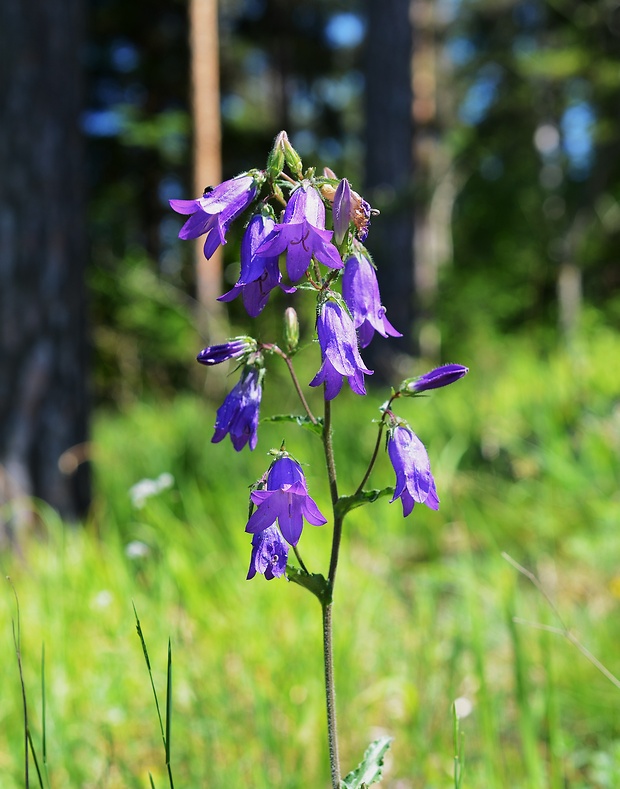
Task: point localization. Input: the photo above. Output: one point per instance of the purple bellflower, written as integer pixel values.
(302, 234)
(441, 376)
(286, 500)
(269, 554)
(360, 291)
(339, 351)
(238, 414)
(258, 275)
(414, 481)
(215, 210)
(233, 349)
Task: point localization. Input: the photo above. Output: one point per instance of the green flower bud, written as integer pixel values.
(291, 329)
(293, 159)
(275, 160)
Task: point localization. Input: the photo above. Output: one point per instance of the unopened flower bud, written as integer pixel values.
(341, 209)
(233, 349)
(292, 158)
(435, 379)
(275, 160)
(291, 329)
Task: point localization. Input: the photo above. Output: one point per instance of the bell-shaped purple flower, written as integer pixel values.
(339, 352)
(215, 210)
(233, 349)
(302, 234)
(238, 414)
(441, 376)
(269, 554)
(259, 275)
(414, 481)
(360, 291)
(286, 500)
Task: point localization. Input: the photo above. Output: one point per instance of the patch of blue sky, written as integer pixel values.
(576, 125)
(461, 50)
(345, 30)
(480, 95)
(124, 56)
(102, 123)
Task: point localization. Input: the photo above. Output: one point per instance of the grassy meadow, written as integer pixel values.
(525, 451)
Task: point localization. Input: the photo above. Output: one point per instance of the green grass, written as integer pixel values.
(525, 452)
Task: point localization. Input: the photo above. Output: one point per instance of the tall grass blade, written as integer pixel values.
(151, 781)
(35, 760)
(164, 734)
(44, 716)
(457, 735)
(18, 654)
(169, 710)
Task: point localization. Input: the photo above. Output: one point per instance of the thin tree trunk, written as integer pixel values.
(43, 393)
(207, 141)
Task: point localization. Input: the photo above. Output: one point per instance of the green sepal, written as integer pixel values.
(346, 503)
(313, 582)
(369, 769)
(299, 419)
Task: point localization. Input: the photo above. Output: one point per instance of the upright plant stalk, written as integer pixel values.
(327, 602)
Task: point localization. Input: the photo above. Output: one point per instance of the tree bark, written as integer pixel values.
(207, 141)
(389, 168)
(43, 347)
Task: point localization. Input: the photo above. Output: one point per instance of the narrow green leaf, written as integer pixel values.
(299, 419)
(151, 781)
(168, 702)
(346, 503)
(313, 582)
(368, 770)
(36, 761)
(44, 736)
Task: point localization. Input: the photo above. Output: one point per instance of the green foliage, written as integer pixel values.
(369, 770)
(524, 451)
(145, 335)
(298, 419)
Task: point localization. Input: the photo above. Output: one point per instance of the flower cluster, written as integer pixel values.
(318, 255)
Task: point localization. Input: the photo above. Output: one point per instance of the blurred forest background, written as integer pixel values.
(509, 167)
(487, 133)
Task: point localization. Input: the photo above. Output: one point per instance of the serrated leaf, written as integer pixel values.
(346, 503)
(299, 419)
(369, 769)
(313, 582)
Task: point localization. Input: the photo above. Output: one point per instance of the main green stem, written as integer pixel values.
(327, 602)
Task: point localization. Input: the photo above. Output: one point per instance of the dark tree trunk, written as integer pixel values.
(43, 400)
(389, 169)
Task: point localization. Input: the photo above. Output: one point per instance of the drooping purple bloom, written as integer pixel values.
(302, 234)
(216, 354)
(259, 275)
(238, 414)
(339, 352)
(215, 210)
(360, 291)
(414, 481)
(286, 500)
(441, 376)
(269, 554)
